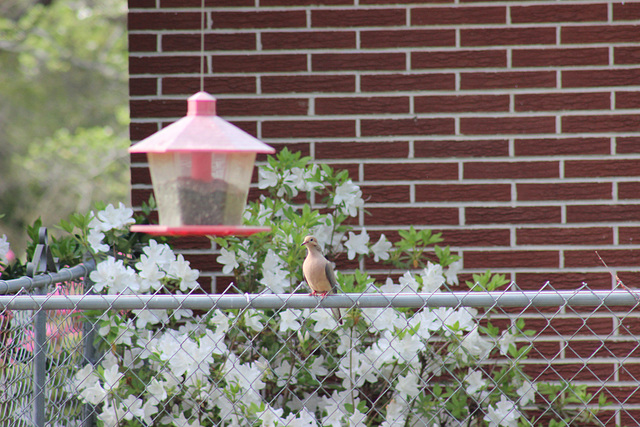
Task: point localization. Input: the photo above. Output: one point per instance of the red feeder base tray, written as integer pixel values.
(198, 230)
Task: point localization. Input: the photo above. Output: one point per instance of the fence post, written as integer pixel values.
(42, 262)
(88, 354)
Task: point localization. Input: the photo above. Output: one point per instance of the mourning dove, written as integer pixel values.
(318, 272)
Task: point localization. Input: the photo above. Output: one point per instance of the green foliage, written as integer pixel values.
(64, 74)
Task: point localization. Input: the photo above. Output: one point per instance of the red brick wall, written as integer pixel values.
(512, 127)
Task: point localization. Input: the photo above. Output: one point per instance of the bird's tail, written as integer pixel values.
(337, 315)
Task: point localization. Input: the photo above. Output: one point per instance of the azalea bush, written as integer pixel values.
(379, 367)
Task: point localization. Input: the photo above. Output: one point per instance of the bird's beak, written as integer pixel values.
(303, 243)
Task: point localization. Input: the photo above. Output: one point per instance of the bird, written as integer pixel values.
(318, 272)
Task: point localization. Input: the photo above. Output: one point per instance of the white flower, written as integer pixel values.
(267, 178)
(381, 249)
(4, 247)
(146, 317)
(408, 347)
(156, 390)
(228, 259)
(357, 244)
(381, 319)
(133, 407)
(253, 321)
(504, 414)
(114, 276)
(505, 341)
(527, 393)
(150, 273)
(475, 381)
(408, 386)
(180, 270)
(288, 320)
(94, 238)
(324, 320)
(461, 319)
(271, 417)
(432, 277)
(350, 196)
(273, 273)
(160, 254)
(452, 272)
(112, 377)
(408, 283)
(115, 218)
(475, 345)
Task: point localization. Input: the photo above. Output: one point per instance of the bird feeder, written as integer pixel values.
(201, 168)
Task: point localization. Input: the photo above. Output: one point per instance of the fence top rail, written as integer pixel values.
(299, 301)
(27, 283)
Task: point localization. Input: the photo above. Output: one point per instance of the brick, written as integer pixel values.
(308, 129)
(139, 131)
(564, 280)
(628, 190)
(260, 19)
(517, 215)
(511, 170)
(140, 196)
(406, 38)
(363, 105)
(164, 21)
(600, 34)
(599, 78)
(626, 11)
(459, 59)
(601, 123)
(143, 86)
(507, 80)
(465, 148)
(412, 216)
(559, 57)
(561, 146)
(463, 192)
(461, 103)
(302, 2)
(626, 55)
(259, 63)
(346, 18)
(214, 85)
(627, 100)
(310, 83)
(627, 145)
(603, 213)
(589, 258)
(476, 237)
(358, 61)
(383, 127)
(410, 171)
(628, 235)
(164, 64)
(262, 106)
(563, 101)
(209, 3)
(158, 108)
(602, 168)
(386, 193)
(135, 4)
(360, 150)
(308, 40)
(564, 191)
(507, 125)
(212, 42)
(510, 259)
(140, 174)
(143, 42)
(559, 13)
(458, 15)
(564, 236)
(404, 82)
(507, 36)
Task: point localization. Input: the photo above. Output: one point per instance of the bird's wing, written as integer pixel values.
(328, 270)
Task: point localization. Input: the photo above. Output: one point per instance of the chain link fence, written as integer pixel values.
(395, 359)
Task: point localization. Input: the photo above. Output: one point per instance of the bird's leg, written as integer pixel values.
(323, 295)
